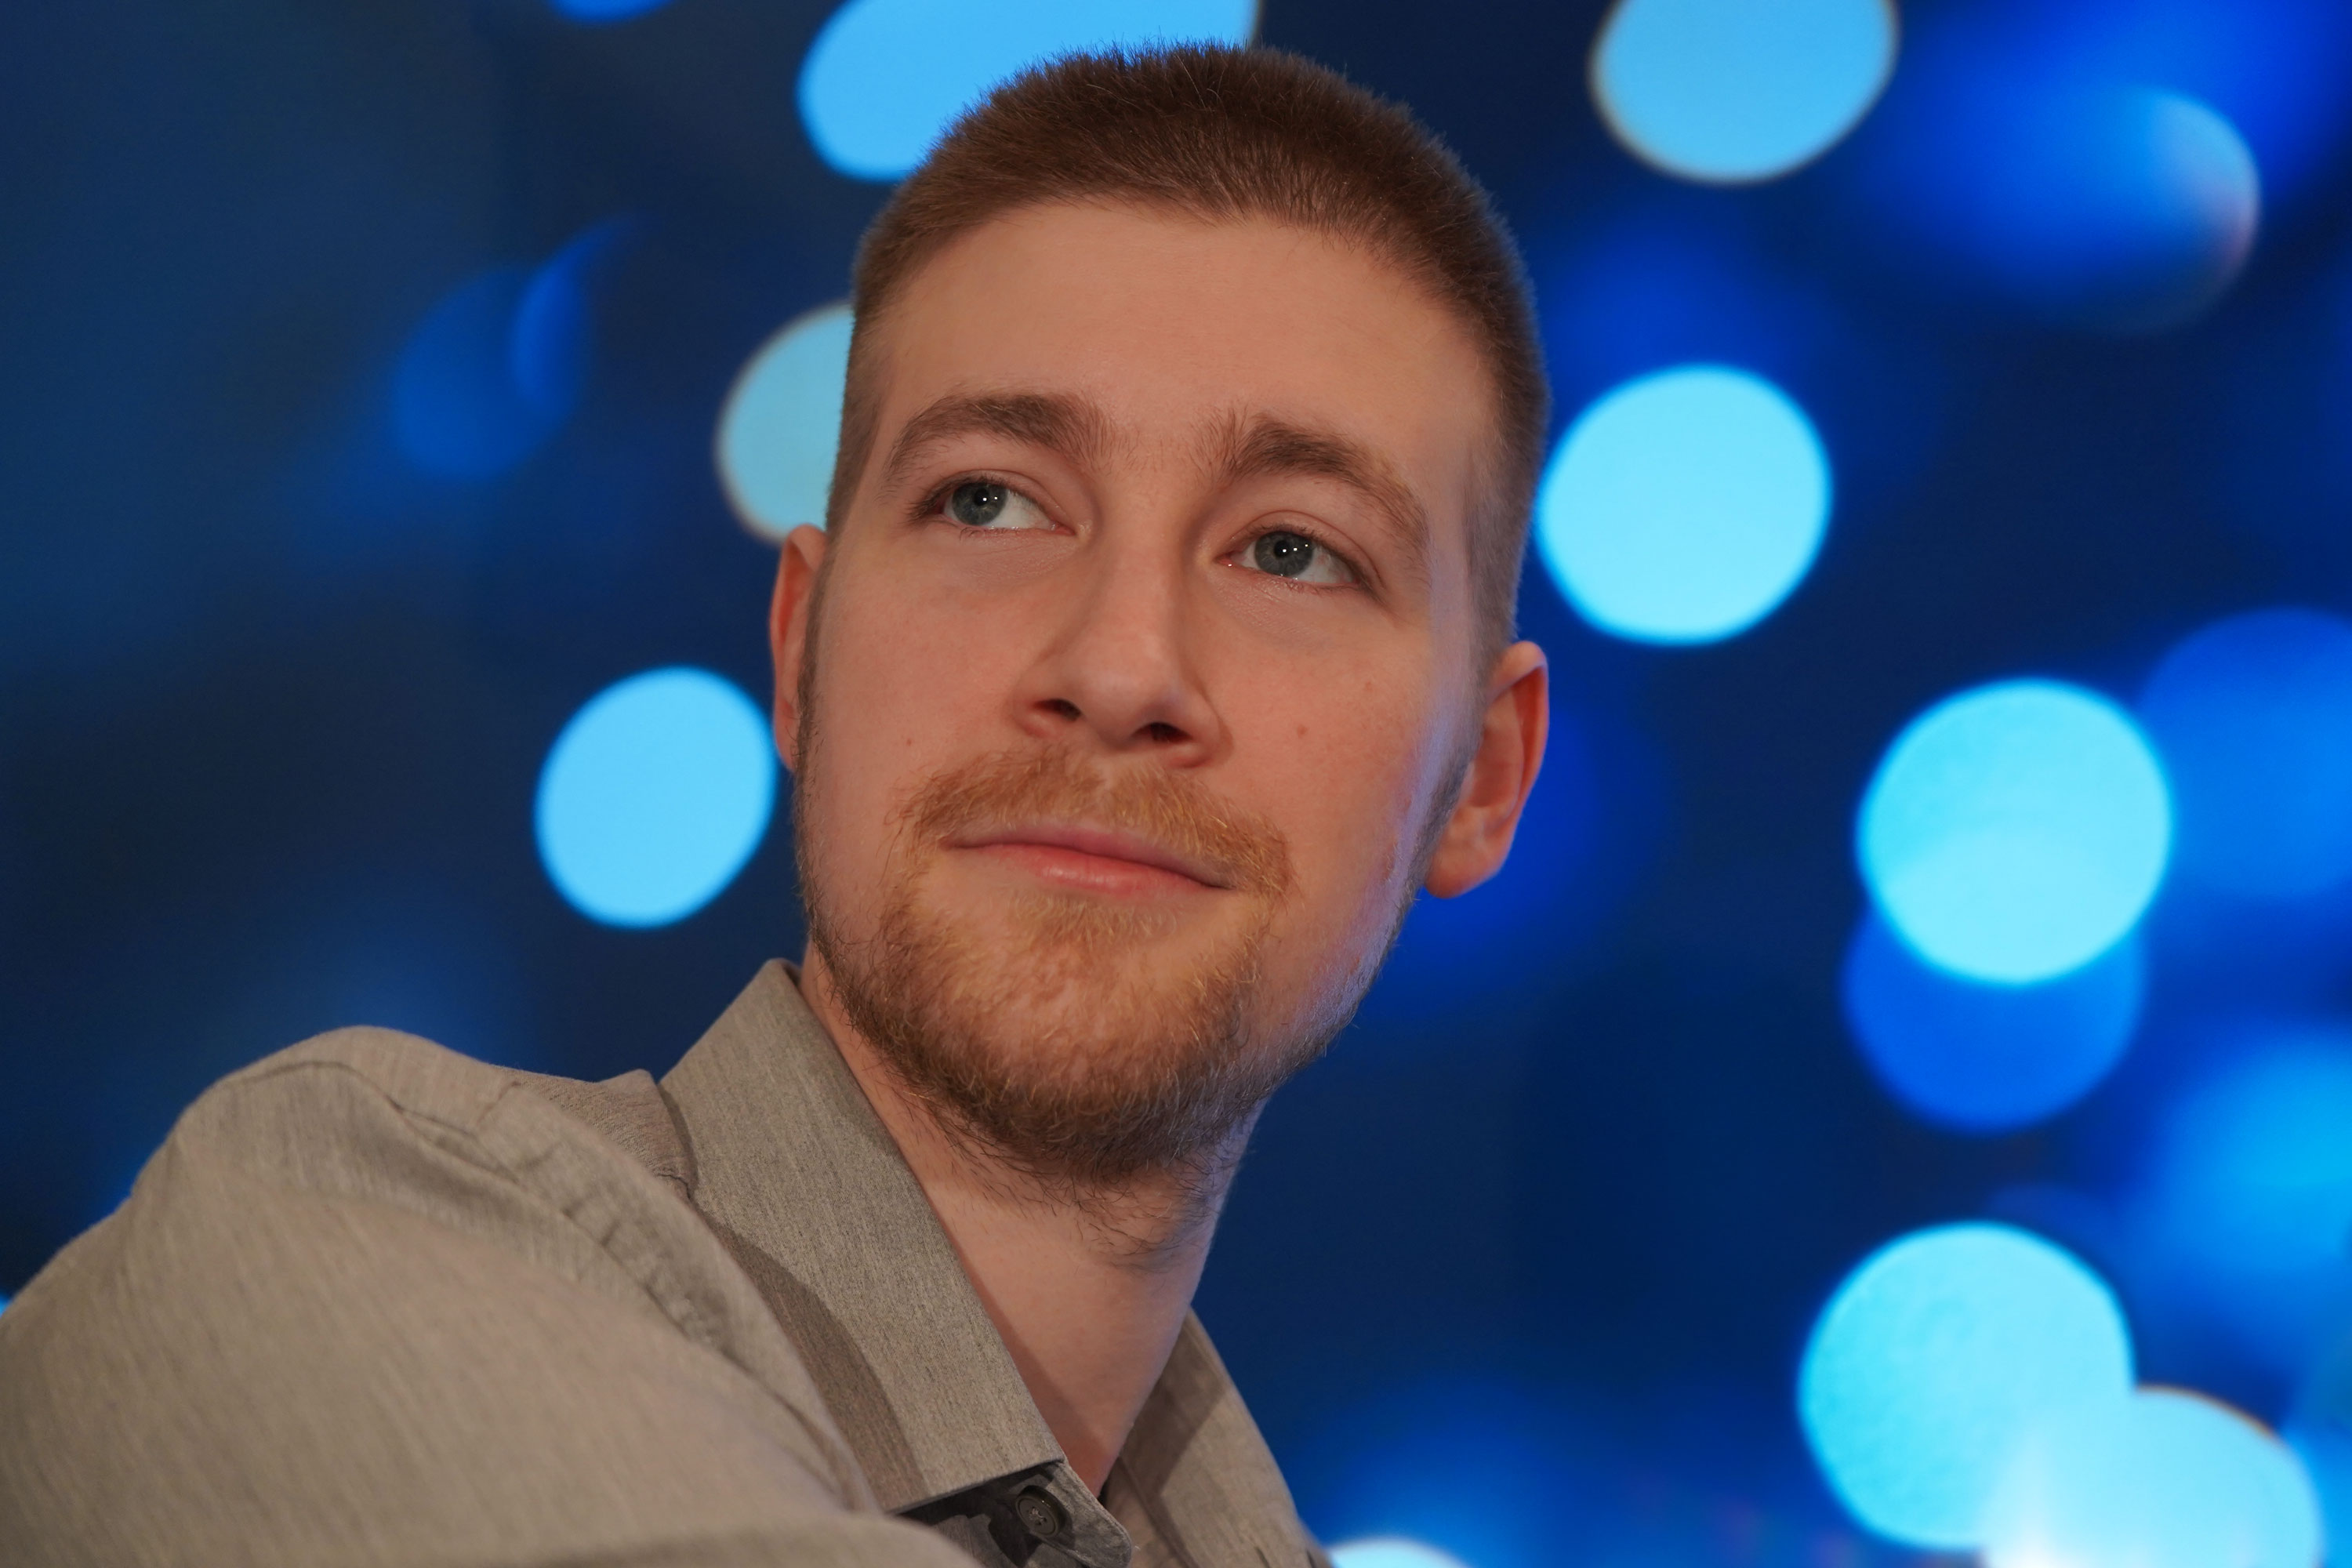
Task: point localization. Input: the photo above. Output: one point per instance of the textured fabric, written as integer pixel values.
(374, 1302)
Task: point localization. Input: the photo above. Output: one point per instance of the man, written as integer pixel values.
(1157, 650)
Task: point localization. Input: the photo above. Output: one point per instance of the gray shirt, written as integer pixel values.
(375, 1302)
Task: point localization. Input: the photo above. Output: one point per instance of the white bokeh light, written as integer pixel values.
(1390, 1551)
(2015, 832)
(781, 424)
(2162, 1479)
(885, 78)
(654, 795)
(1734, 90)
(1933, 1361)
(1684, 506)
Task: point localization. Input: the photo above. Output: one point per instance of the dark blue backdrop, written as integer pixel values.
(1538, 1245)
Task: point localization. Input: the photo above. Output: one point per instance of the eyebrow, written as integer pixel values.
(1071, 428)
(1267, 446)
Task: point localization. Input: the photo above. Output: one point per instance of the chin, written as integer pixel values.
(1081, 979)
(1086, 1041)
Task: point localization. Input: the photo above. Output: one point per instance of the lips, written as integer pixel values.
(1107, 844)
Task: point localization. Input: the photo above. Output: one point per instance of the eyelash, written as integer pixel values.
(935, 504)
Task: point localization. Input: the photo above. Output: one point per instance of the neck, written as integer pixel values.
(1089, 1290)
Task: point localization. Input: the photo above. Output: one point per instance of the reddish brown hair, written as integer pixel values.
(1226, 133)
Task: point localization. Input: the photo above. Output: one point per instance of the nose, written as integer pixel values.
(1120, 668)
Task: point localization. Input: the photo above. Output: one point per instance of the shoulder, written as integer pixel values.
(344, 1068)
(355, 1086)
(371, 1284)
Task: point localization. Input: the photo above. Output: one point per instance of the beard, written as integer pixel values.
(1084, 1044)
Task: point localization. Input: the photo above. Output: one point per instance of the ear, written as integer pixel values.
(1502, 770)
(788, 631)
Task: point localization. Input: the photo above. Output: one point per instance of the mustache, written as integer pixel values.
(1174, 811)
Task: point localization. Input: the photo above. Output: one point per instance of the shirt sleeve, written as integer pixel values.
(411, 1315)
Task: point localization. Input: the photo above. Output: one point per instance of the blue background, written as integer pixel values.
(1525, 1267)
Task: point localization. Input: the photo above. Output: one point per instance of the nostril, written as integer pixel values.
(1061, 709)
(1163, 734)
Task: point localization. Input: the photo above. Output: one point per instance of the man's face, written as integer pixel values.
(1143, 661)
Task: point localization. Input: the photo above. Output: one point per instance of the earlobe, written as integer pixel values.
(788, 616)
(1502, 770)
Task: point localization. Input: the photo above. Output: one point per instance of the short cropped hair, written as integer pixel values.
(1225, 133)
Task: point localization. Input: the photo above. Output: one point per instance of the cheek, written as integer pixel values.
(1346, 769)
(897, 689)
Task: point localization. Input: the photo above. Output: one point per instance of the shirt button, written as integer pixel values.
(1040, 1515)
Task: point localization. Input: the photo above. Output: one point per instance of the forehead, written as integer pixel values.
(1163, 320)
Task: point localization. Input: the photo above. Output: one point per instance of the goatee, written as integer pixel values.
(1064, 1038)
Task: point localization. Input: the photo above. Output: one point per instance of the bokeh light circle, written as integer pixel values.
(1731, 91)
(654, 795)
(2253, 717)
(885, 78)
(2086, 192)
(1684, 506)
(1986, 1057)
(2016, 831)
(781, 424)
(1390, 1551)
(1934, 1358)
(2213, 173)
(2178, 212)
(2162, 1480)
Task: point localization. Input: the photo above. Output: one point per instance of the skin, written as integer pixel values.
(1117, 611)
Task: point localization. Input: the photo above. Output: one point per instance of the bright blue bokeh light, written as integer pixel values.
(781, 424)
(2016, 831)
(2162, 1480)
(1726, 90)
(1684, 506)
(1936, 1357)
(885, 78)
(2253, 717)
(1983, 1057)
(654, 796)
(1390, 1551)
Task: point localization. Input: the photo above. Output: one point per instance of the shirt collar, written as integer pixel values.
(802, 1181)
(800, 1177)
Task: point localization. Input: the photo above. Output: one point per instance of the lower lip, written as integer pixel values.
(1074, 870)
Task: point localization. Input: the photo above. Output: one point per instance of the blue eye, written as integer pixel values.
(993, 505)
(1284, 554)
(977, 503)
(1295, 556)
